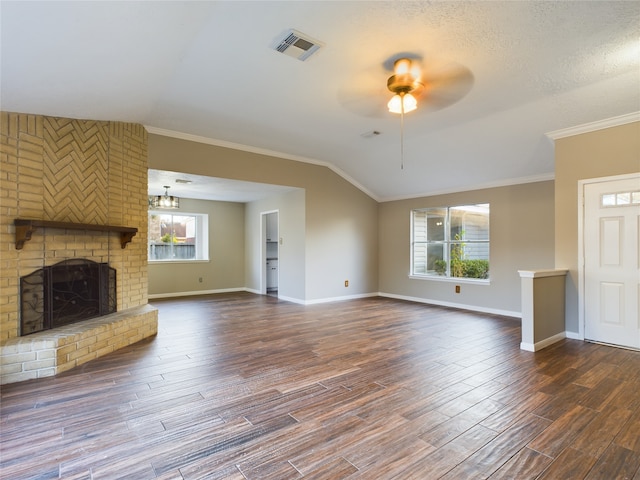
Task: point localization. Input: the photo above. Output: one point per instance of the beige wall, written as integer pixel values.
(340, 220)
(291, 229)
(607, 152)
(548, 307)
(522, 235)
(79, 171)
(225, 268)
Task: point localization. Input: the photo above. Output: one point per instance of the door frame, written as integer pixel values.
(263, 248)
(581, 220)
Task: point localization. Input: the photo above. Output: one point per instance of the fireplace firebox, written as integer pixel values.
(67, 292)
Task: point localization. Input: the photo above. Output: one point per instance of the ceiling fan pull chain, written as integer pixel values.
(402, 135)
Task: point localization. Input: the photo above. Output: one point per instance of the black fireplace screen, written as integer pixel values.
(64, 293)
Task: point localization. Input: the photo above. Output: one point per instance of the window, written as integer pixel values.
(620, 199)
(450, 242)
(181, 237)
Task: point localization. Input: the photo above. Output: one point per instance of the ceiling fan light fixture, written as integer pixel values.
(405, 84)
(402, 103)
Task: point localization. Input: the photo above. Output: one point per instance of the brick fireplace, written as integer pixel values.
(81, 172)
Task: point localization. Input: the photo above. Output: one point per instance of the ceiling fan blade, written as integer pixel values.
(445, 83)
(365, 94)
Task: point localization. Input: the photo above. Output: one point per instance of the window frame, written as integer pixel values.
(201, 237)
(447, 243)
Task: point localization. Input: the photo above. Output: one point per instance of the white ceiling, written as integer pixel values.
(208, 69)
(210, 188)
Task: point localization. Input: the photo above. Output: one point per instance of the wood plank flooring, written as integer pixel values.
(242, 386)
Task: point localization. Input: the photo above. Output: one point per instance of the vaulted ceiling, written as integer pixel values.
(210, 69)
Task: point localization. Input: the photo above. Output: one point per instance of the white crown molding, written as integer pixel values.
(260, 151)
(594, 126)
(501, 183)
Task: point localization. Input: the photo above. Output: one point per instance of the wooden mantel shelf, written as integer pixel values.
(26, 227)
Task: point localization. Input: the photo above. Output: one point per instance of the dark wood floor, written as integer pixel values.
(242, 386)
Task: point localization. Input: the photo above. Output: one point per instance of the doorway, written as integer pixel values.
(611, 267)
(270, 250)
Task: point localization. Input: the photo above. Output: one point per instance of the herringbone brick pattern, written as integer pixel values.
(67, 170)
(76, 170)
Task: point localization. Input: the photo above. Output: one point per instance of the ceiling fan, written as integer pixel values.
(433, 83)
(414, 82)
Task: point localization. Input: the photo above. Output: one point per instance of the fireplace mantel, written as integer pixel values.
(26, 227)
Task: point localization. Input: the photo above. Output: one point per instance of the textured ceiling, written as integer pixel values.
(208, 69)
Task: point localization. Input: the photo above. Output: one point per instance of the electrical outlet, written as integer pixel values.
(457, 288)
(200, 279)
(346, 283)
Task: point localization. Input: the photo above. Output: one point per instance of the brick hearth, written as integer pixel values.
(54, 351)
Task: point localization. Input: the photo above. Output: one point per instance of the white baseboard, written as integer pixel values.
(461, 306)
(258, 292)
(529, 347)
(196, 292)
(472, 308)
(292, 300)
(534, 347)
(574, 336)
(340, 299)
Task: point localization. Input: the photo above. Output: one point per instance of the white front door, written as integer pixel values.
(612, 261)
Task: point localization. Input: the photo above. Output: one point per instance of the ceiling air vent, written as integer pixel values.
(297, 45)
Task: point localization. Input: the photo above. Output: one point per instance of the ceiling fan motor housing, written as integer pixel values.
(406, 78)
(404, 83)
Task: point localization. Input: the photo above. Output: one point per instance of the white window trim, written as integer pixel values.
(438, 278)
(441, 278)
(178, 261)
(202, 233)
